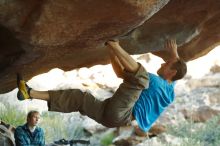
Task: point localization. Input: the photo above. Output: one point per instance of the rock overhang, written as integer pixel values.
(71, 34)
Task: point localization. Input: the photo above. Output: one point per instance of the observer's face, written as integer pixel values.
(34, 119)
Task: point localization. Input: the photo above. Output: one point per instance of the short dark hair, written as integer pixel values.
(30, 113)
(181, 68)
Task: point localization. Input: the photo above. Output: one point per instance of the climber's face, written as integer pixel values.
(166, 71)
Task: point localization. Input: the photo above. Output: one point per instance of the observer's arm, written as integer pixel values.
(19, 137)
(42, 142)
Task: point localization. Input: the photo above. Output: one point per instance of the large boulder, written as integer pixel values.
(202, 114)
(6, 134)
(36, 35)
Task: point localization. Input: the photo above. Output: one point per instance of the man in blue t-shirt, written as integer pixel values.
(141, 96)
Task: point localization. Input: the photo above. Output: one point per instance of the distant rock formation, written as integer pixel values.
(6, 134)
(36, 35)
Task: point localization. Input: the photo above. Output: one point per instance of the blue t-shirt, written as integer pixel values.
(152, 101)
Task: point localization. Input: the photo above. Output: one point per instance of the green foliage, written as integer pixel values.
(11, 115)
(53, 127)
(76, 132)
(196, 134)
(107, 139)
(210, 134)
(56, 128)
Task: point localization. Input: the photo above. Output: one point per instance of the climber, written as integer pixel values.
(142, 96)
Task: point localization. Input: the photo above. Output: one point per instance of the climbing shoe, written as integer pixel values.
(23, 89)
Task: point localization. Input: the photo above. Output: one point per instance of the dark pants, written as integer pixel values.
(112, 112)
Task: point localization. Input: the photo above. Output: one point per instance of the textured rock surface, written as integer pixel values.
(203, 114)
(6, 134)
(36, 35)
(193, 23)
(65, 34)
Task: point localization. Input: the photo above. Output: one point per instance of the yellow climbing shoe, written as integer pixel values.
(23, 89)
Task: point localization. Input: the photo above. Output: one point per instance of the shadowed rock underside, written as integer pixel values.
(37, 35)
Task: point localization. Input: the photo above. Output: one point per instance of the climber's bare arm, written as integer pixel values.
(171, 48)
(116, 65)
(139, 132)
(125, 59)
(170, 51)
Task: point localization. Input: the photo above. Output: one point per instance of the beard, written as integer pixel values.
(160, 73)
